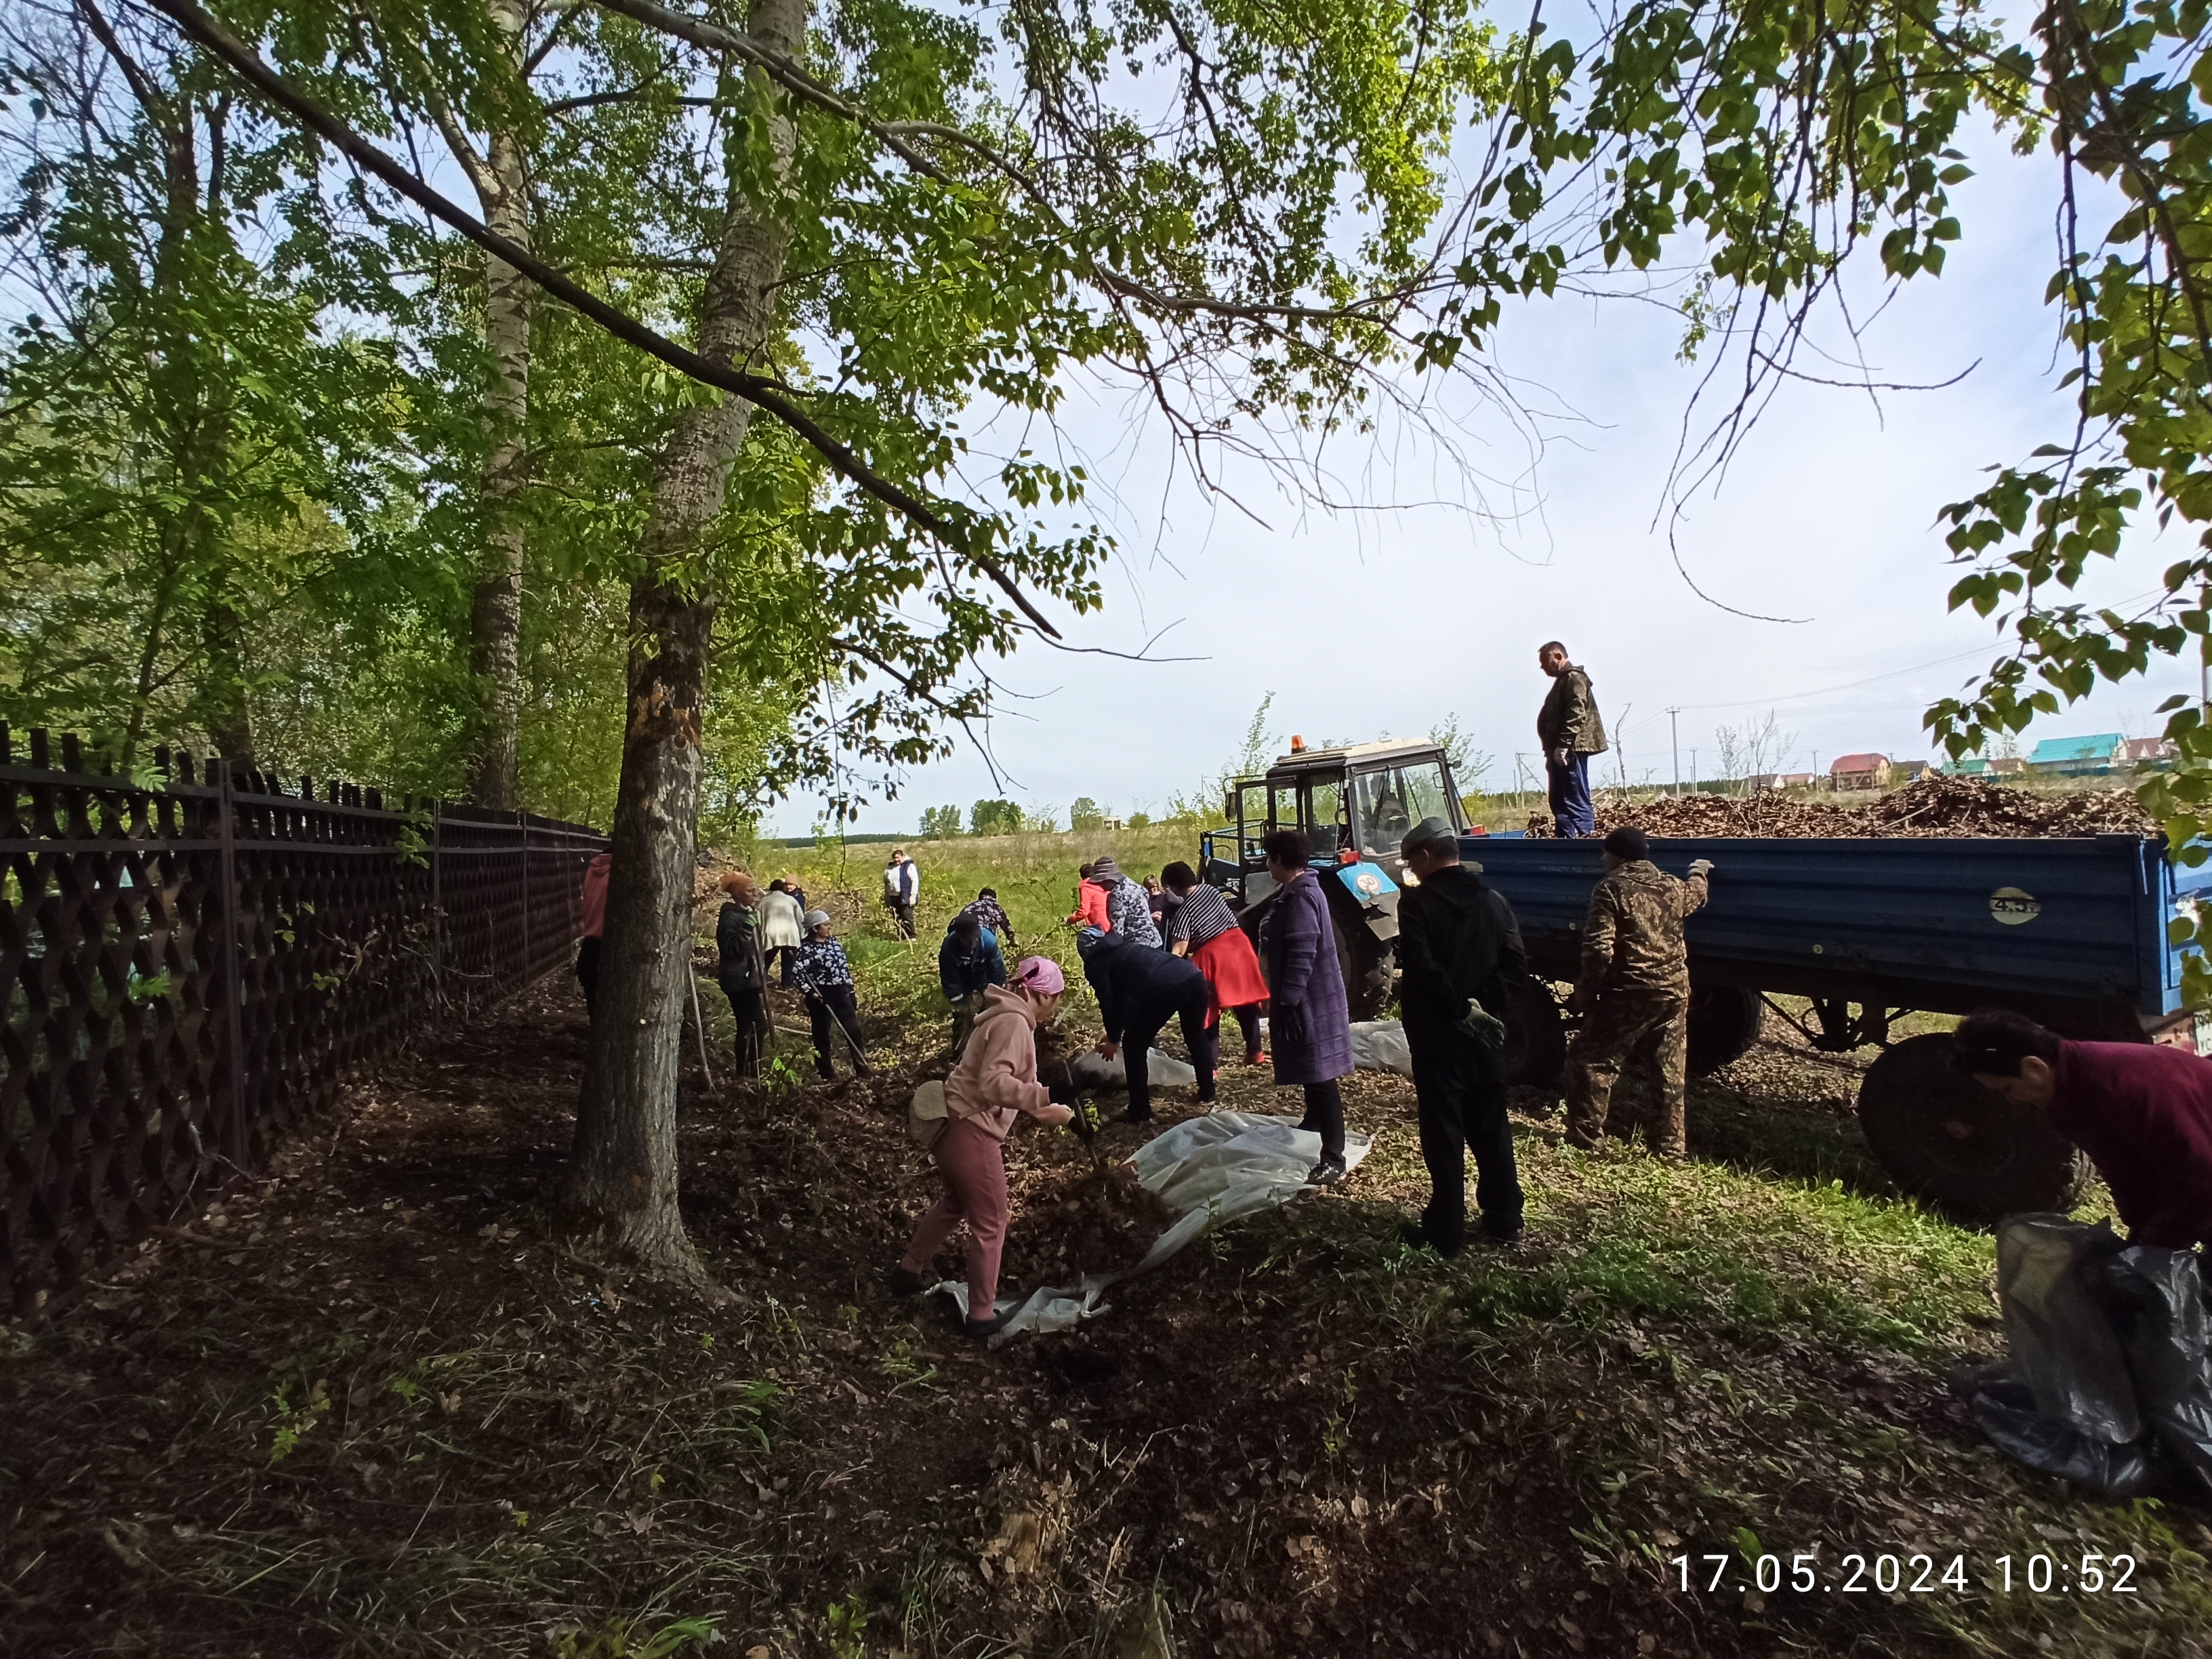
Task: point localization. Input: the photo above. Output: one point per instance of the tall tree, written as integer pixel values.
(176, 431)
(910, 242)
(498, 175)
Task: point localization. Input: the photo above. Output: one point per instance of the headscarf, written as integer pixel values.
(1038, 976)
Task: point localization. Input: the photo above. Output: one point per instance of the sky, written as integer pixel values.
(1385, 622)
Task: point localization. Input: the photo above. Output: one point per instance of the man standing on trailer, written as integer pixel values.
(1568, 728)
(1633, 992)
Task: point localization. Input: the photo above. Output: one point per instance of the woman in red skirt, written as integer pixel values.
(1205, 930)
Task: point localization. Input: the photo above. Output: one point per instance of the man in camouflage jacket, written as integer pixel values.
(1633, 990)
(1568, 728)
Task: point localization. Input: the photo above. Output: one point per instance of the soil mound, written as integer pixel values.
(1067, 1223)
(1935, 806)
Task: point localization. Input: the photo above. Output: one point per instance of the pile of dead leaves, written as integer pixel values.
(1072, 1222)
(1935, 806)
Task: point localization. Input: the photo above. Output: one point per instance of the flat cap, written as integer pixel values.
(1429, 829)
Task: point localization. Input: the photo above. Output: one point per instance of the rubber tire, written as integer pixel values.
(1369, 965)
(1535, 1036)
(1724, 1022)
(1964, 1150)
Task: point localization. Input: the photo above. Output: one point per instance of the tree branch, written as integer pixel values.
(764, 394)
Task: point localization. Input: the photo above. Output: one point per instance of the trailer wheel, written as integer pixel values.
(1535, 1036)
(1724, 1023)
(1961, 1147)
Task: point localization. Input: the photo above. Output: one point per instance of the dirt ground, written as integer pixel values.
(368, 1406)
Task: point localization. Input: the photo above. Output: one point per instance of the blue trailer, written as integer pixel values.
(2072, 932)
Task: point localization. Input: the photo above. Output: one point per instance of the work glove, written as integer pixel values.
(1480, 1025)
(1560, 758)
(1288, 1024)
(1701, 866)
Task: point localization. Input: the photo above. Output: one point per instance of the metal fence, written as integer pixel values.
(191, 963)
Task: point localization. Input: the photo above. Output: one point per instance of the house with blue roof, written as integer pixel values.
(2076, 756)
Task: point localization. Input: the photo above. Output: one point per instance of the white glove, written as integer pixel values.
(1701, 866)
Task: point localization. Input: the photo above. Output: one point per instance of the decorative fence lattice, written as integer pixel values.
(191, 963)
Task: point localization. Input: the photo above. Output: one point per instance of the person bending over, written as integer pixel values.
(1140, 987)
(2141, 1111)
(1204, 928)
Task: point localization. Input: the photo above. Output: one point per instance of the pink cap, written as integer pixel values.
(1039, 974)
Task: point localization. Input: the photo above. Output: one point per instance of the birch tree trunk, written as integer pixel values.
(621, 1178)
(495, 613)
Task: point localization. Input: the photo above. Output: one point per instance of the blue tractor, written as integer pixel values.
(1355, 803)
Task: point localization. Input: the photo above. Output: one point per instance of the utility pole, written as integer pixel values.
(1693, 769)
(1674, 726)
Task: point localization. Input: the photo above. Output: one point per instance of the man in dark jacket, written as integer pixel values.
(1139, 990)
(2142, 1112)
(742, 969)
(1568, 728)
(1460, 946)
(969, 960)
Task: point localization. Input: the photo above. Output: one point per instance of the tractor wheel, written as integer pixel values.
(1368, 964)
(1535, 1036)
(1957, 1145)
(1724, 1023)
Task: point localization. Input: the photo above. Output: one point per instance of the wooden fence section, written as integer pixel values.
(192, 963)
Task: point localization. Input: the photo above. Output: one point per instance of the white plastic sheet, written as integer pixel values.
(1209, 1169)
(1094, 1070)
(1379, 1045)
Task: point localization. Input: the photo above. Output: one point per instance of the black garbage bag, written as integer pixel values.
(2064, 1401)
(2169, 1349)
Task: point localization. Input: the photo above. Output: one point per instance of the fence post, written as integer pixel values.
(238, 1140)
(528, 960)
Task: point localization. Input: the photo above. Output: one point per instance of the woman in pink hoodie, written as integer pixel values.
(993, 1085)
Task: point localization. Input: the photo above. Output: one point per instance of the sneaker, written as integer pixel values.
(900, 1282)
(1413, 1235)
(1326, 1173)
(1259, 1059)
(1133, 1115)
(981, 1330)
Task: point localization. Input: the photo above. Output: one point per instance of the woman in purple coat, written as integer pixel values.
(1307, 1019)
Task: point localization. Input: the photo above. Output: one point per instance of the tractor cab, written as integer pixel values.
(1355, 805)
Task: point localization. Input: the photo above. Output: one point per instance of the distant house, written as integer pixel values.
(2149, 751)
(1770, 782)
(1973, 767)
(2006, 767)
(1907, 771)
(2076, 756)
(1860, 772)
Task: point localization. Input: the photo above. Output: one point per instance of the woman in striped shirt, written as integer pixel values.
(1204, 929)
